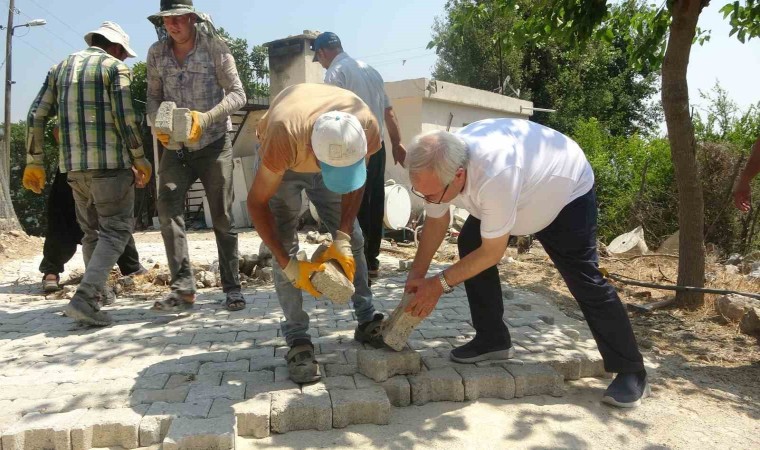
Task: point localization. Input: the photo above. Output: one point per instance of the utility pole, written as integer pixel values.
(8, 82)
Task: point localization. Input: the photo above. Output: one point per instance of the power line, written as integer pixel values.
(47, 30)
(56, 18)
(38, 51)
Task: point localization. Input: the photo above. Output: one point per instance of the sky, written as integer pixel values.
(390, 35)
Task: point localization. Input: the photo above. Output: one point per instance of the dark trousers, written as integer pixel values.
(64, 234)
(570, 242)
(372, 208)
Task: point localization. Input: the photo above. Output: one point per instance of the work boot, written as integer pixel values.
(50, 283)
(302, 366)
(370, 332)
(87, 312)
(475, 351)
(627, 390)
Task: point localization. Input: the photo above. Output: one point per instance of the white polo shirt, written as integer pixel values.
(519, 177)
(361, 79)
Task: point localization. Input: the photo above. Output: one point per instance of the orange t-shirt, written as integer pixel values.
(285, 130)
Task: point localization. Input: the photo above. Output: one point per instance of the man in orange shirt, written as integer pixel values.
(314, 138)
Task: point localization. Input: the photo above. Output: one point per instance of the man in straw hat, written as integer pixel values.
(100, 150)
(314, 138)
(192, 66)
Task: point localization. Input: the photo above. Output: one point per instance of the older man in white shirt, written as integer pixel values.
(364, 81)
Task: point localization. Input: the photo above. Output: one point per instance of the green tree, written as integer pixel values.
(139, 86)
(251, 64)
(593, 79)
(660, 38)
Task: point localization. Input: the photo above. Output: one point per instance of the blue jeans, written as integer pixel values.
(286, 206)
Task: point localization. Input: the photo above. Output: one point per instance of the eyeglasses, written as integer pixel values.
(425, 197)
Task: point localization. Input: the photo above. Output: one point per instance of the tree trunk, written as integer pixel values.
(8, 220)
(675, 102)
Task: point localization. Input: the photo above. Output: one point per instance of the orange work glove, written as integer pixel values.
(163, 139)
(144, 170)
(299, 273)
(340, 251)
(34, 178)
(200, 122)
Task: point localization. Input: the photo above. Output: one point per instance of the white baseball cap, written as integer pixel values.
(340, 145)
(114, 33)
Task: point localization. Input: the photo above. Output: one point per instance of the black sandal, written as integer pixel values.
(234, 301)
(302, 366)
(371, 332)
(173, 302)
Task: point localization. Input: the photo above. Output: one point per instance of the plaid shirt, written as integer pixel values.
(207, 82)
(99, 129)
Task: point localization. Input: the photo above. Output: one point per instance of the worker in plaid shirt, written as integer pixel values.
(101, 152)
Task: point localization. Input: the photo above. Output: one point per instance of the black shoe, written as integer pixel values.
(370, 332)
(302, 365)
(475, 351)
(627, 390)
(87, 313)
(141, 271)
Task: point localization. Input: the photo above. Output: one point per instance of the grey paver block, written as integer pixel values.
(257, 378)
(164, 121)
(333, 284)
(253, 416)
(252, 390)
(567, 364)
(151, 382)
(398, 390)
(437, 385)
(330, 383)
(208, 434)
(232, 391)
(357, 406)
(42, 431)
(334, 370)
(108, 428)
(236, 366)
(536, 379)
(221, 407)
(398, 328)
(487, 382)
(266, 363)
(147, 396)
(381, 364)
(293, 410)
(179, 380)
(174, 367)
(155, 424)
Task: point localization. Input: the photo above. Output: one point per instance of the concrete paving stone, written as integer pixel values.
(486, 382)
(232, 391)
(420, 344)
(237, 366)
(43, 405)
(155, 423)
(37, 431)
(218, 357)
(104, 387)
(334, 370)
(205, 336)
(148, 396)
(281, 374)
(440, 333)
(108, 428)
(437, 385)
(359, 406)
(208, 434)
(332, 358)
(591, 362)
(15, 392)
(152, 381)
(281, 351)
(566, 364)
(257, 378)
(221, 407)
(293, 410)
(253, 353)
(174, 367)
(179, 380)
(396, 388)
(400, 324)
(381, 364)
(246, 336)
(252, 390)
(438, 362)
(536, 379)
(331, 383)
(253, 415)
(266, 363)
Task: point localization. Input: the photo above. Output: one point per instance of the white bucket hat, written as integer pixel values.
(114, 33)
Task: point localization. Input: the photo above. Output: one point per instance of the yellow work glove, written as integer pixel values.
(163, 139)
(34, 178)
(200, 122)
(144, 170)
(299, 273)
(340, 251)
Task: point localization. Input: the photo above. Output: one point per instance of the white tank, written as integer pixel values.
(398, 207)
